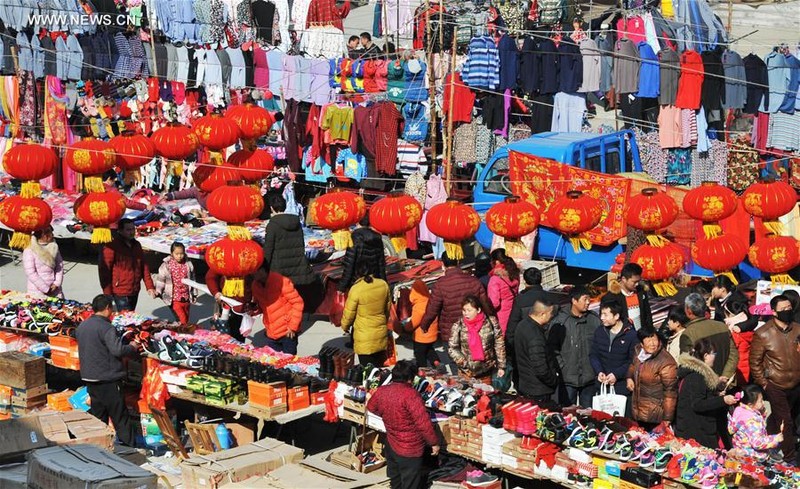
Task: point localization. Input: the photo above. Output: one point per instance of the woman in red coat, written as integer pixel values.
(282, 309)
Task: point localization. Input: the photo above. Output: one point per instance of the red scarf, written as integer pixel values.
(474, 340)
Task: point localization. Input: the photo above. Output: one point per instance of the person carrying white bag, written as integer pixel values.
(611, 356)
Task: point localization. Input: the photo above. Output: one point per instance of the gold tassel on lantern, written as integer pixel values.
(20, 241)
(774, 227)
(399, 243)
(783, 278)
(657, 240)
(30, 190)
(101, 235)
(515, 247)
(729, 275)
(342, 239)
(665, 289)
(453, 250)
(93, 183)
(234, 287)
(239, 233)
(577, 242)
(712, 230)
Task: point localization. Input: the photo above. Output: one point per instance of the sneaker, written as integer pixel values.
(605, 438)
(662, 458)
(577, 438)
(479, 478)
(647, 458)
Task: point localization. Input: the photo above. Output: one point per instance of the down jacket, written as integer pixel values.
(122, 268)
(655, 392)
(367, 248)
(281, 305)
(419, 298)
(42, 271)
(700, 409)
(367, 311)
(613, 357)
(164, 285)
(576, 346)
(494, 348)
(774, 357)
(285, 249)
(408, 425)
(448, 294)
(502, 291)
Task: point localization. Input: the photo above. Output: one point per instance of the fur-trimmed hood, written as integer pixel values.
(688, 364)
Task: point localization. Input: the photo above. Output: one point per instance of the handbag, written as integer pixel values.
(609, 402)
(337, 309)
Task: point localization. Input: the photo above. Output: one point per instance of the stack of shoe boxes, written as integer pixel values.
(492, 446)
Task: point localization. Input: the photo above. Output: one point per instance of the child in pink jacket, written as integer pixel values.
(43, 265)
(748, 427)
(503, 288)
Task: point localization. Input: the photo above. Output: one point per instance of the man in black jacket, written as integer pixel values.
(730, 303)
(367, 248)
(521, 309)
(101, 349)
(537, 364)
(632, 296)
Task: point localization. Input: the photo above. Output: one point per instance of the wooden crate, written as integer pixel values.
(21, 370)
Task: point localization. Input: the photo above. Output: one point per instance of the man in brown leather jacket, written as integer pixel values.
(775, 365)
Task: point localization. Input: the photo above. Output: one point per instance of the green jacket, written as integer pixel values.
(367, 311)
(718, 334)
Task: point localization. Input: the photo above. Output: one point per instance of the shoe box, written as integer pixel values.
(64, 352)
(272, 396)
(640, 478)
(298, 398)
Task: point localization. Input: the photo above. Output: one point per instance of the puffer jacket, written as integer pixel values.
(408, 425)
(448, 294)
(367, 248)
(366, 311)
(502, 291)
(700, 407)
(285, 249)
(40, 273)
(494, 348)
(717, 333)
(613, 357)
(656, 387)
(419, 298)
(578, 334)
(122, 268)
(748, 430)
(774, 357)
(164, 285)
(281, 305)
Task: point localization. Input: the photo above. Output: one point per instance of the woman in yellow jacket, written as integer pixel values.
(367, 311)
(424, 341)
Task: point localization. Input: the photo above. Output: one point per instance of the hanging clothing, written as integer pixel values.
(436, 195)
(691, 81)
(649, 76)
(756, 74)
(351, 165)
(605, 44)
(790, 100)
(591, 66)
(735, 80)
(482, 67)
(626, 67)
(386, 133)
(463, 98)
(568, 112)
(410, 158)
(508, 55)
(399, 16)
(713, 89)
(570, 67)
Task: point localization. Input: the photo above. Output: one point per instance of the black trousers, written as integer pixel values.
(376, 359)
(425, 355)
(107, 402)
(403, 472)
(234, 323)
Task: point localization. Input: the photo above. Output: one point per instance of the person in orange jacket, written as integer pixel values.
(282, 309)
(424, 353)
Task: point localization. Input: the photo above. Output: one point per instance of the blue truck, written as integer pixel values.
(611, 153)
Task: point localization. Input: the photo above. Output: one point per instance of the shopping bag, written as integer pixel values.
(248, 322)
(337, 309)
(154, 392)
(609, 402)
(502, 383)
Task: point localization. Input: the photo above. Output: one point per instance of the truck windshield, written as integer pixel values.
(612, 162)
(497, 180)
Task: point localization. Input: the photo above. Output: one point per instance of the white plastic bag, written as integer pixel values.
(247, 324)
(609, 402)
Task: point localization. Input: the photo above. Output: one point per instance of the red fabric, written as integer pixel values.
(181, 310)
(281, 305)
(408, 425)
(691, 81)
(325, 12)
(463, 98)
(122, 269)
(386, 138)
(742, 342)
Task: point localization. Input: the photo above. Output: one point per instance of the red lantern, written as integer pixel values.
(650, 211)
(253, 165)
(30, 163)
(659, 263)
(133, 150)
(91, 157)
(512, 219)
(100, 210)
(574, 214)
(24, 215)
(338, 210)
(216, 132)
(174, 141)
(253, 121)
(710, 202)
(395, 215)
(769, 200)
(454, 222)
(236, 204)
(234, 260)
(210, 177)
(719, 254)
(776, 255)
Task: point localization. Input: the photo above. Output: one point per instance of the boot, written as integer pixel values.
(325, 368)
(338, 365)
(348, 362)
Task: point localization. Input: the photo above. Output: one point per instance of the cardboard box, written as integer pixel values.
(14, 476)
(76, 427)
(297, 398)
(30, 392)
(59, 401)
(85, 467)
(237, 464)
(318, 397)
(266, 395)
(18, 436)
(21, 370)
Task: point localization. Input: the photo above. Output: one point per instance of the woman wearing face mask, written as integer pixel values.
(43, 265)
(476, 342)
(653, 380)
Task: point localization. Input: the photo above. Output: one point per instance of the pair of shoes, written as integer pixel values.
(479, 478)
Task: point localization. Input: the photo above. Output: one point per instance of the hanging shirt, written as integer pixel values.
(339, 121)
(591, 66)
(351, 165)
(669, 73)
(416, 124)
(570, 67)
(735, 79)
(482, 67)
(386, 133)
(410, 158)
(626, 67)
(508, 55)
(756, 74)
(792, 84)
(463, 98)
(649, 77)
(691, 81)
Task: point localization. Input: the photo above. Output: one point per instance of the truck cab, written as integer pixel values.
(612, 153)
